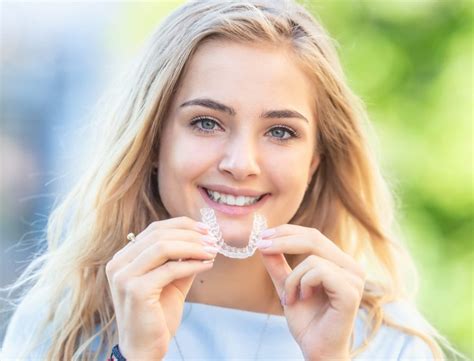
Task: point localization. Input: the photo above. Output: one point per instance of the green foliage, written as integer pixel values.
(411, 62)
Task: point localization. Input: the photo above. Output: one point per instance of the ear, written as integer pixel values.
(313, 166)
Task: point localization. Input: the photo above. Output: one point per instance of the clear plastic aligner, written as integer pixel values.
(259, 224)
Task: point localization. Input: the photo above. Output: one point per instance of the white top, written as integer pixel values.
(210, 332)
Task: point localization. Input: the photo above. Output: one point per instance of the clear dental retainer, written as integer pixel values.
(259, 224)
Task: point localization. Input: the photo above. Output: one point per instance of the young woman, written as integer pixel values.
(240, 107)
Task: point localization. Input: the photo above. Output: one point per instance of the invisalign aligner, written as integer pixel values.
(259, 224)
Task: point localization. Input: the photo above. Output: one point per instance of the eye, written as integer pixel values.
(283, 133)
(208, 125)
(204, 124)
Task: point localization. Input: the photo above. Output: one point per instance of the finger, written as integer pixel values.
(132, 250)
(175, 223)
(293, 239)
(153, 282)
(341, 294)
(292, 282)
(278, 269)
(161, 252)
(294, 290)
(357, 282)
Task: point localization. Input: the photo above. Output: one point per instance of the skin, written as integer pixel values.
(320, 296)
(241, 153)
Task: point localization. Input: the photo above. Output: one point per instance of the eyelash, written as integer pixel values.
(195, 121)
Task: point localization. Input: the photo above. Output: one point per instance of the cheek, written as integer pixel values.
(183, 158)
(288, 172)
(289, 169)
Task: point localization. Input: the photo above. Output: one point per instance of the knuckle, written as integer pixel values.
(305, 278)
(304, 281)
(133, 289)
(186, 220)
(119, 281)
(323, 242)
(355, 296)
(312, 259)
(154, 225)
(361, 286)
(157, 233)
(319, 243)
(356, 269)
(109, 268)
(280, 229)
(358, 283)
(351, 299)
(324, 266)
(316, 248)
(116, 254)
(161, 248)
(353, 291)
(316, 232)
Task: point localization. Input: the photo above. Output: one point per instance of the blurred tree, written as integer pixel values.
(411, 62)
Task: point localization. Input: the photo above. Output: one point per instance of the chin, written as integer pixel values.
(236, 239)
(239, 243)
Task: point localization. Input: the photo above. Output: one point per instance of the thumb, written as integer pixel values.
(278, 269)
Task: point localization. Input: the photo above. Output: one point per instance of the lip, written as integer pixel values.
(233, 210)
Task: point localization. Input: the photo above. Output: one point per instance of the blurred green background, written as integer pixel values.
(412, 64)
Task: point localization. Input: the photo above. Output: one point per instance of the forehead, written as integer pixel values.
(248, 76)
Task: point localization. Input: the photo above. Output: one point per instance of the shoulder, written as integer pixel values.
(27, 318)
(391, 343)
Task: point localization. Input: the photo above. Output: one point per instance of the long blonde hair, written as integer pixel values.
(347, 199)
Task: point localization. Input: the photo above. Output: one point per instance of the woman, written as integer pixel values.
(240, 107)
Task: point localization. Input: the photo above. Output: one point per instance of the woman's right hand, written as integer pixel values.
(149, 280)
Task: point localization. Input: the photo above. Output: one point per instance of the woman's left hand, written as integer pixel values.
(321, 295)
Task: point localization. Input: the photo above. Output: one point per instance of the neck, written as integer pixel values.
(236, 283)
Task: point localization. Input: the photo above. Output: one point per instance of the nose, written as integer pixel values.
(240, 158)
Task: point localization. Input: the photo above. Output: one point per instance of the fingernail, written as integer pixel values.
(264, 243)
(283, 300)
(202, 226)
(267, 233)
(209, 240)
(210, 249)
(208, 261)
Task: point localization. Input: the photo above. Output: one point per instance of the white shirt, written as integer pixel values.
(216, 333)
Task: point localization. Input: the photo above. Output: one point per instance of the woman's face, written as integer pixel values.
(239, 138)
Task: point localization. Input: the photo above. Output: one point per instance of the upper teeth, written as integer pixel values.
(230, 199)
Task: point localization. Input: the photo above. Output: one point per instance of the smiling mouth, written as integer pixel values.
(231, 200)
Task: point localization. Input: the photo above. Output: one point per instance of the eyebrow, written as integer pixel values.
(271, 114)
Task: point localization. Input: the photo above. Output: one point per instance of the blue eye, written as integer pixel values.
(208, 125)
(282, 133)
(204, 124)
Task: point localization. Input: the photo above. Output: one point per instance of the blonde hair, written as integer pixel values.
(347, 199)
